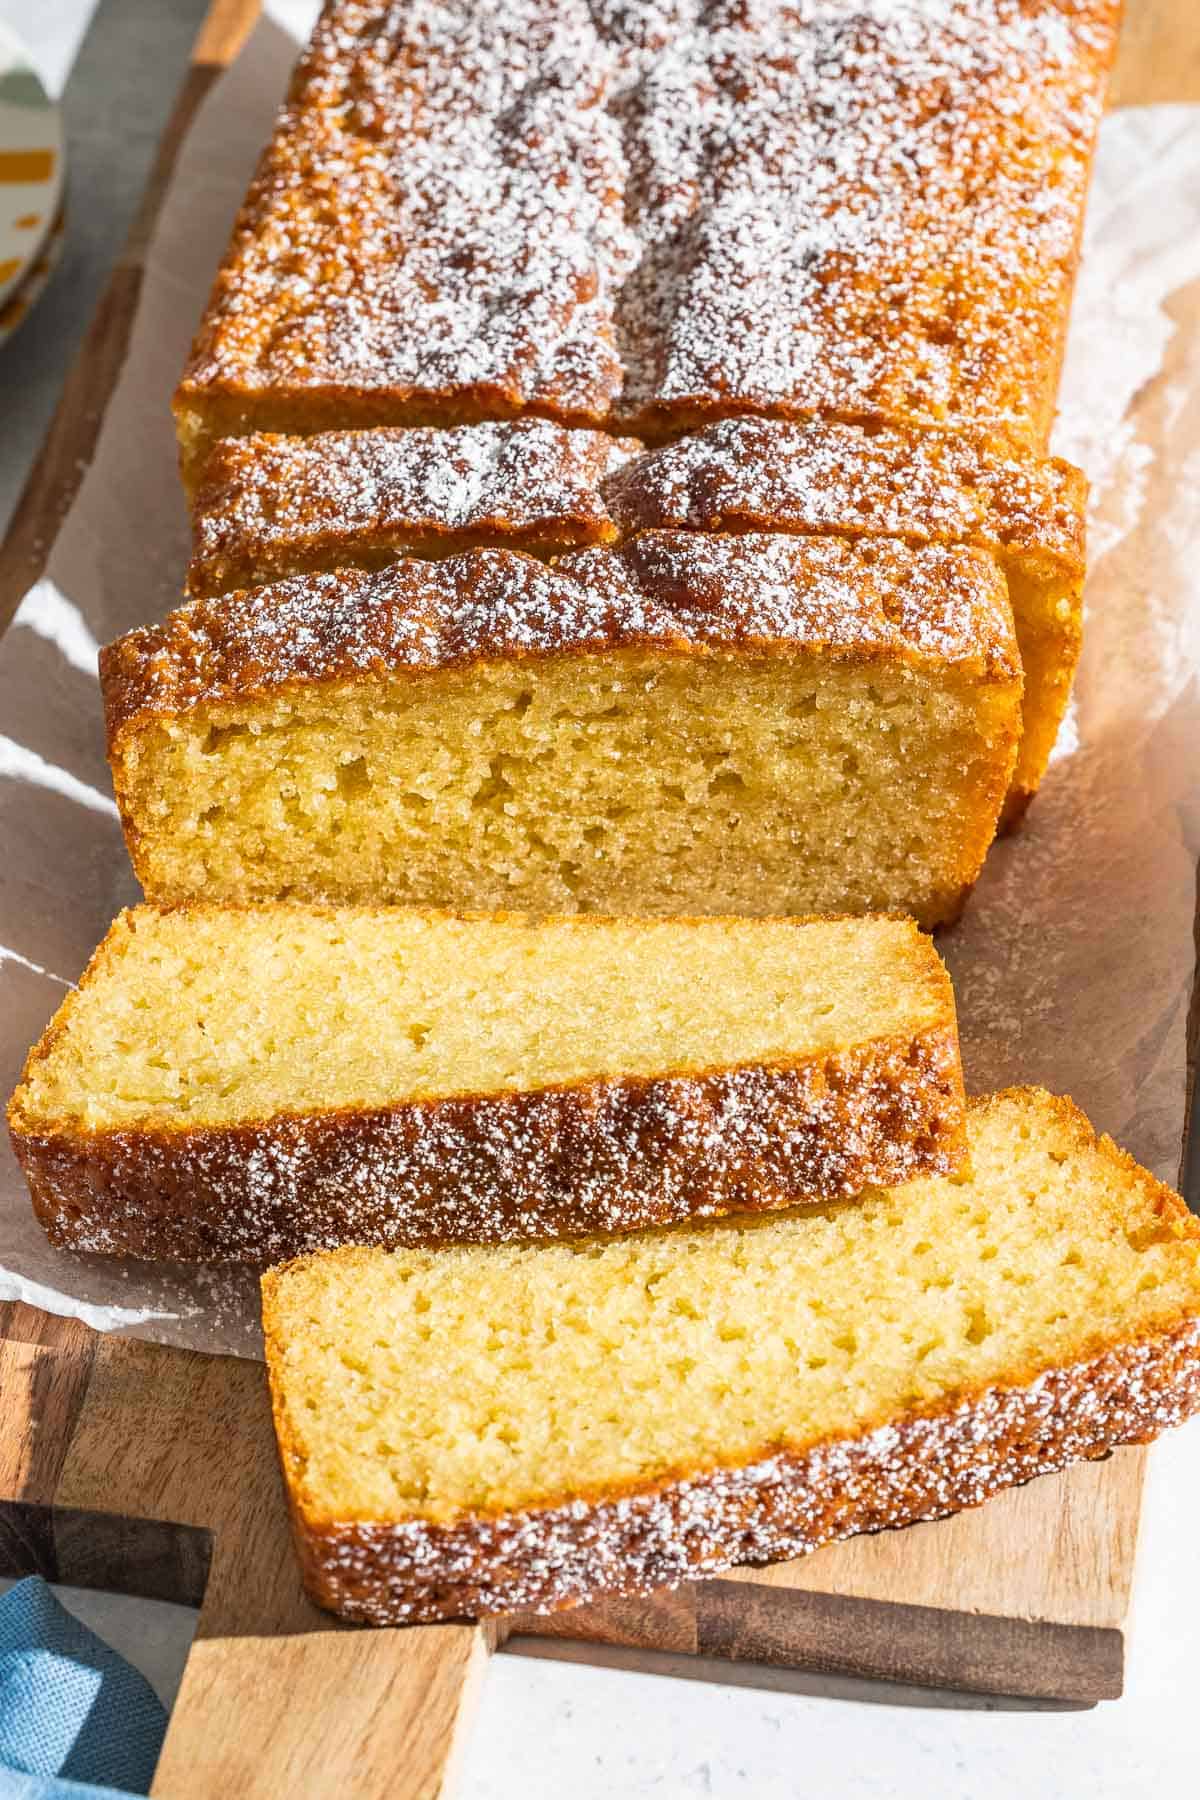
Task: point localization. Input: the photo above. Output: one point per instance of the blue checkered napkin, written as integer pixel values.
(77, 1722)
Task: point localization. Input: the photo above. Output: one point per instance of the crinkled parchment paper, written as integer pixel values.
(1073, 964)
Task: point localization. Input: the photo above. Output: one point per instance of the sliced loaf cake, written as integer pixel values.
(229, 1085)
(272, 507)
(491, 1430)
(750, 723)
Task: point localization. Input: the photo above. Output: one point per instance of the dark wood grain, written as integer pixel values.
(929, 1645)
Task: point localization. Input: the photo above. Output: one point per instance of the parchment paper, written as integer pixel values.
(1073, 964)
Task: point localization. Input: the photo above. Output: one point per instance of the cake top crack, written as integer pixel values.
(644, 216)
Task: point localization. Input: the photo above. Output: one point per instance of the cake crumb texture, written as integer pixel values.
(231, 1085)
(526, 1428)
(687, 723)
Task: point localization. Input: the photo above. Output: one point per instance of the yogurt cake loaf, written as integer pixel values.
(272, 506)
(647, 216)
(526, 1428)
(688, 723)
(245, 1086)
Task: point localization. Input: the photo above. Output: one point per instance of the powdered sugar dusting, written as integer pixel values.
(650, 213)
(603, 1155)
(272, 505)
(683, 591)
(923, 486)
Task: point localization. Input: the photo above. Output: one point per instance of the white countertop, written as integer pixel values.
(547, 1729)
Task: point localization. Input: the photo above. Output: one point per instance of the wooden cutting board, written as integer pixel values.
(152, 1471)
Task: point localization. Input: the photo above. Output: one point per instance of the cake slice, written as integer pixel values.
(249, 1085)
(752, 724)
(925, 487)
(270, 507)
(490, 1430)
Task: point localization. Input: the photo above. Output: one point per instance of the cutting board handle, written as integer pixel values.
(339, 1712)
(278, 1700)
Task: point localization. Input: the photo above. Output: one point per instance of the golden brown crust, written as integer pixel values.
(920, 1465)
(270, 507)
(592, 1156)
(927, 487)
(687, 593)
(658, 216)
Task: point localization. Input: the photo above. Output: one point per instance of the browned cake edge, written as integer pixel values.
(967, 485)
(662, 590)
(921, 1465)
(924, 1463)
(271, 507)
(597, 1155)
(1050, 651)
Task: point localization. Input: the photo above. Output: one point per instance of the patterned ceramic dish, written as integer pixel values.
(31, 182)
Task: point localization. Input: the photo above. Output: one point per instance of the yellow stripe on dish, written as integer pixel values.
(26, 165)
